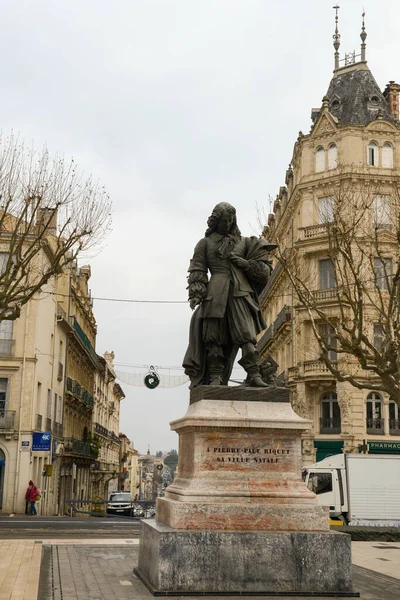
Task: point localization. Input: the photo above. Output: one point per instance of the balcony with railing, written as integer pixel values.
(313, 231)
(101, 430)
(265, 339)
(330, 425)
(293, 372)
(328, 295)
(114, 437)
(75, 389)
(84, 339)
(374, 426)
(394, 426)
(284, 317)
(79, 447)
(316, 367)
(7, 419)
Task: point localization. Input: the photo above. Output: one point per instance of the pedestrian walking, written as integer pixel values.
(31, 496)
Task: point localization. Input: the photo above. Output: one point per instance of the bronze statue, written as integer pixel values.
(228, 316)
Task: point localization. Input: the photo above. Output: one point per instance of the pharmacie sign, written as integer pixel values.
(387, 447)
(41, 442)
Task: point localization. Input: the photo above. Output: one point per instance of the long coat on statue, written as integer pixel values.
(229, 314)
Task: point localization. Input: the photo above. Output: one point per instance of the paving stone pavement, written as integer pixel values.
(102, 570)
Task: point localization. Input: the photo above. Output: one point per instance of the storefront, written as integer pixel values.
(327, 448)
(384, 447)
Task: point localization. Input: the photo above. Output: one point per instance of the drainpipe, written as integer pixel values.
(21, 402)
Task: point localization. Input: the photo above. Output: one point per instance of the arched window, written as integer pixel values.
(320, 160)
(387, 156)
(374, 413)
(332, 156)
(330, 414)
(394, 418)
(373, 154)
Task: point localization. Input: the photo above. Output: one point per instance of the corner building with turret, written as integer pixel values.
(354, 136)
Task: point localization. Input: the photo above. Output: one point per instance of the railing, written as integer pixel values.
(39, 420)
(324, 295)
(84, 339)
(330, 425)
(47, 424)
(79, 392)
(7, 419)
(114, 437)
(6, 347)
(134, 509)
(394, 426)
(265, 339)
(100, 430)
(374, 426)
(57, 430)
(284, 316)
(293, 372)
(73, 446)
(313, 231)
(316, 366)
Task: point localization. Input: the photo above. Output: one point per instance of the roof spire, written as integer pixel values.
(363, 36)
(336, 37)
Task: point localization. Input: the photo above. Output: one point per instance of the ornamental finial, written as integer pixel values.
(336, 37)
(363, 36)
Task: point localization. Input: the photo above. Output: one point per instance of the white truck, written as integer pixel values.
(361, 489)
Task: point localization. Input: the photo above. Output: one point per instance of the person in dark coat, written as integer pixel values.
(228, 316)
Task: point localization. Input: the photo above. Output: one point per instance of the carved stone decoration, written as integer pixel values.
(344, 401)
(300, 404)
(324, 126)
(308, 447)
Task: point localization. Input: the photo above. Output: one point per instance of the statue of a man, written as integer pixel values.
(228, 316)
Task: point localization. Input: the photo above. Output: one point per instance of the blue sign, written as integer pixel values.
(41, 441)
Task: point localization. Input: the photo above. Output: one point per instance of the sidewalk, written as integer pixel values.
(101, 569)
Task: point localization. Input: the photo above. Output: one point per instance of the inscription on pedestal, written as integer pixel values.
(276, 455)
(248, 455)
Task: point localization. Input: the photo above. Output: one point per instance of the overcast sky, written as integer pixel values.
(175, 105)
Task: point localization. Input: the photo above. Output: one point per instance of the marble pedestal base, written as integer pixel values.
(301, 563)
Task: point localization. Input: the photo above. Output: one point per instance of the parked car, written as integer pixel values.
(120, 503)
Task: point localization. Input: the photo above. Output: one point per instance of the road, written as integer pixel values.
(24, 527)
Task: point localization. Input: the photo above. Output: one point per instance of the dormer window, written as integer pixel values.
(320, 160)
(332, 156)
(374, 100)
(373, 154)
(387, 156)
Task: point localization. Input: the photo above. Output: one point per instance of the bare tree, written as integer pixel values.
(45, 204)
(354, 307)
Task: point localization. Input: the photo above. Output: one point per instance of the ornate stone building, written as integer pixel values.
(354, 138)
(108, 395)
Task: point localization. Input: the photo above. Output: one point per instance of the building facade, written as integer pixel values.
(108, 395)
(32, 377)
(353, 144)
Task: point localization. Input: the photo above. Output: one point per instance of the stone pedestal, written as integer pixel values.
(238, 517)
(177, 562)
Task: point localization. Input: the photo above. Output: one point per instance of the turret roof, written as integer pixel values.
(355, 98)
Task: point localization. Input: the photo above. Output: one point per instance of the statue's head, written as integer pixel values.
(223, 220)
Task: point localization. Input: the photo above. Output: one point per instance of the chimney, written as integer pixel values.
(391, 95)
(47, 218)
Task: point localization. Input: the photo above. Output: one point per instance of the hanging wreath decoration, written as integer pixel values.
(152, 379)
